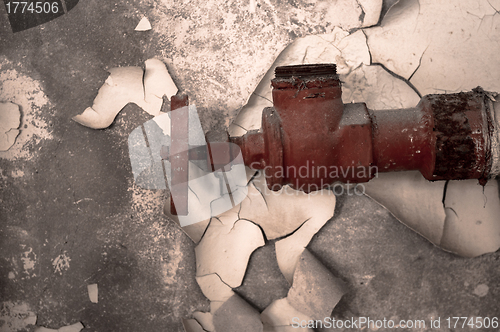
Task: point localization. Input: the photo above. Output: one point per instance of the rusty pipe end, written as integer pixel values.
(322, 69)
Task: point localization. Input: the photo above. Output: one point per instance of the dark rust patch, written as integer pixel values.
(459, 150)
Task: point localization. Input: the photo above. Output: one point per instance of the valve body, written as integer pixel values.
(310, 139)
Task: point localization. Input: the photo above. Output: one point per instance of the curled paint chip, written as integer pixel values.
(472, 224)
(71, 328)
(413, 200)
(77, 327)
(466, 223)
(290, 248)
(281, 213)
(157, 81)
(125, 85)
(143, 25)
(93, 293)
(10, 119)
(226, 248)
(213, 288)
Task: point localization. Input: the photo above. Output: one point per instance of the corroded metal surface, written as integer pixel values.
(311, 139)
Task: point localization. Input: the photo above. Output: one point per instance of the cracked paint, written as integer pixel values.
(129, 85)
(412, 200)
(214, 288)
(440, 53)
(225, 250)
(388, 85)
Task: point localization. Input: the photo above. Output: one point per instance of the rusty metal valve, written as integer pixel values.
(311, 139)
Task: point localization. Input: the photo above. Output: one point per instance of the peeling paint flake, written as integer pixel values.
(416, 39)
(77, 327)
(93, 293)
(226, 249)
(465, 223)
(281, 314)
(281, 213)
(205, 319)
(125, 85)
(214, 288)
(472, 225)
(413, 200)
(390, 43)
(143, 25)
(371, 11)
(157, 83)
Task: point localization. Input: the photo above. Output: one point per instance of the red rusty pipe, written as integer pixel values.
(310, 139)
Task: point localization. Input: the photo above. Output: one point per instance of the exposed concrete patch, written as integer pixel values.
(61, 263)
(171, 263)
(28, 258)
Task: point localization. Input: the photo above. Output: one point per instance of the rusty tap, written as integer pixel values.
(311, 139)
